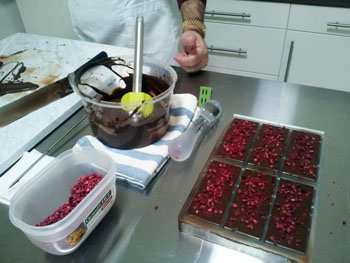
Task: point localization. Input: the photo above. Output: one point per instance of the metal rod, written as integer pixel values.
(239, 50)
(337, 24)
(243, 15)
(138, 55)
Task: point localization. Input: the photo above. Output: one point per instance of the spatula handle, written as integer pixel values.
(138, 55)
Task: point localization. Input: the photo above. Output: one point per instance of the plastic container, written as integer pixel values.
(111, 121)
(50, 188)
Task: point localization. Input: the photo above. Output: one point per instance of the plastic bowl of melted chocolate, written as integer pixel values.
(101, 87)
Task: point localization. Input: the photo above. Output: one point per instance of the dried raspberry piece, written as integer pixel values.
(79, 191)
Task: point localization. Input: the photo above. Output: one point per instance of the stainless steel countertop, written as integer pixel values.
(134, 231)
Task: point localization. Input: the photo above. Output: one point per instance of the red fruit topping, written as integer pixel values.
(270, 146)
(291, 215)
(303, 154)
(237, 139)
(214, 192)
(81, 189)
(251, 204)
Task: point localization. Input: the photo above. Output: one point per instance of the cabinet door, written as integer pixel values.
(252, 13)
(243, 48)
(320, 19)
(317, 60)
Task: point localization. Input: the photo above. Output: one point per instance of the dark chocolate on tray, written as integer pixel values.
(269, 209)
(251, 204)
(270, 146)
(214, 192)
(303, 154)
(289, 224)
(238, 139)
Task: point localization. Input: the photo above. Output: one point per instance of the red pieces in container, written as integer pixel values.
(238, 139)
(214, 192)
(289, 224)
(270, 146)
(251, 203)
(79, 191)
(303, 155)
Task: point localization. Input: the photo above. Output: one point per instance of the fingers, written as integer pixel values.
(195, 55)
(189, 64)
(188, 42)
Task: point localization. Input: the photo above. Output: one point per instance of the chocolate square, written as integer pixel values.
(289, 223)
(251, 204)
(303, 155)
(214, 192)
(270, 146)
(236, 142)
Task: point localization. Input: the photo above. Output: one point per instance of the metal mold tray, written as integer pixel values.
(259, 247)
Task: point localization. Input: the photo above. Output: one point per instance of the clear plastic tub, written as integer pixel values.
(50, 188)
(126, 125)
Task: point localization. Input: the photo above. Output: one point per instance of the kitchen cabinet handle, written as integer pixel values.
(242, 15)
(291, 48)
(337, 24)
(237, 51)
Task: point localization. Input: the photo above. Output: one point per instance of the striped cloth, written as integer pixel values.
(139, 166)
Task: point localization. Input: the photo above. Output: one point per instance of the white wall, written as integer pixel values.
(46, 17)
(10, 19)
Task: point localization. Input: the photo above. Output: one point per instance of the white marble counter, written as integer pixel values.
(48, 59)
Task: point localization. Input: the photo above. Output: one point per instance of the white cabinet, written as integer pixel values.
(317, 60)
(301, 44)
(319, 19)
(246, 37)
(245, 48)
(252, 13)
(317, 48)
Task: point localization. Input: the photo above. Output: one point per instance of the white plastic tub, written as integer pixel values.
(50, 188)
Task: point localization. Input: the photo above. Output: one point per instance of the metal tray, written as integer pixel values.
(258, 247)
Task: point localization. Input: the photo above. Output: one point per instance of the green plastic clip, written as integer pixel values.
(204, 95)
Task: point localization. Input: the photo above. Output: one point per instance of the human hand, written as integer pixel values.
(195, 55)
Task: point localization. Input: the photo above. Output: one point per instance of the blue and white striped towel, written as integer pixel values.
(139, 166)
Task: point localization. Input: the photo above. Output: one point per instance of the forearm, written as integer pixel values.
(193, 9)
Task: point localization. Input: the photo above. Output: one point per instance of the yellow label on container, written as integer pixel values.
(81, 230)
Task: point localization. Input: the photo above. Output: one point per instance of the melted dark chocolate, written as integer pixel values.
(11, 83)
(122, 129)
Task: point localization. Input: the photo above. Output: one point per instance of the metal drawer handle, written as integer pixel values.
(337, 24)
(242, 15)
(237, 51)
(290, 54)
